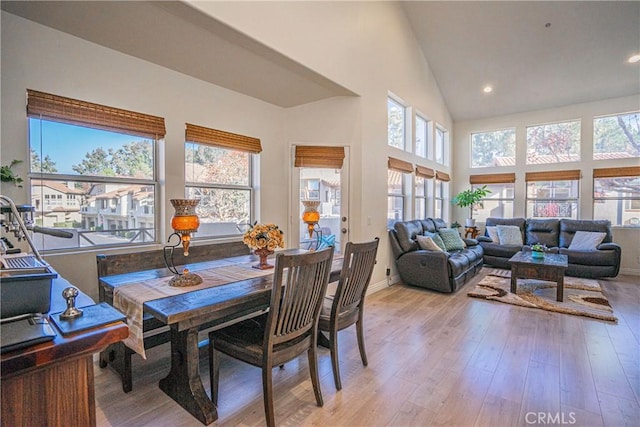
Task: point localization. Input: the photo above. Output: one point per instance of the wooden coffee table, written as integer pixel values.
(551, 268)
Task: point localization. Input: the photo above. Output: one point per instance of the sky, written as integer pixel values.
(67, 145)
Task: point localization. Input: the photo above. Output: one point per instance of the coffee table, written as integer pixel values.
(551, 268)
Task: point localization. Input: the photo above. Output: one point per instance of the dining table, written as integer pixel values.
(232, 290)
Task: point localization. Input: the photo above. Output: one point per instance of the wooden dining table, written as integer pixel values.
(192, 311)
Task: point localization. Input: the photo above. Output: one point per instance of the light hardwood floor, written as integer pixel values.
(434, 359)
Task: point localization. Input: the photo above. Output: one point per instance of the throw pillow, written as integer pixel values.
(426, 242)
(451, 239)
(492, 231)
(509, 235)
(326, 241)
(437, 239)
(586, 240)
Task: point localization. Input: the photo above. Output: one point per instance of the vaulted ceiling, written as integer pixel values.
(535, 55)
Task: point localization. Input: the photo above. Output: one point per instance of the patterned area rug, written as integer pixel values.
(582, 297)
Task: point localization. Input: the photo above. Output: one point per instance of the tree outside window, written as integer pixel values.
(396, 124)
(553, 143)
(220, 178)
(616, 136)
(497, 148)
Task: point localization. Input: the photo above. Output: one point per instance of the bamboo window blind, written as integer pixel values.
(493, 178)
(563, 175)
(222, 139)
(311, 156)
(399, 165)
(616, 172)
(442, 176)
(82, 113)
(425, 172)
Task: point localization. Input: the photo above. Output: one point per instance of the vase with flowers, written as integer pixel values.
(538, 250)
(263, 239)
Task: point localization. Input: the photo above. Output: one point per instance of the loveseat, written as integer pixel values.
(602, 260)
(443, 271)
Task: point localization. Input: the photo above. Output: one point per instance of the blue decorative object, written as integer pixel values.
(326, 241)
(537, 254)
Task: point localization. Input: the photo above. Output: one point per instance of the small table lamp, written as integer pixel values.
(184, 222)
(311, 217)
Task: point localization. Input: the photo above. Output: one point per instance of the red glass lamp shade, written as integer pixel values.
(184, 220)
(311, 216)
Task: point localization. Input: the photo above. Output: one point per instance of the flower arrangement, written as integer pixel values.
(264, 236)
(538, 247)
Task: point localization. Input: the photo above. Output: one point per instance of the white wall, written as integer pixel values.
(367, 47)
(628, 238)
(37, 57)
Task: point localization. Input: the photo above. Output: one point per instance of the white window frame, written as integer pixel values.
(405, 117)
(441, 143)
(82, 237)
(624, 204)
(404, 196)
(424, 201)
(441, 200)
(426, 135)
(606, 155)
(473, 154)
(574, 200)
(579, 146)
(250, 187)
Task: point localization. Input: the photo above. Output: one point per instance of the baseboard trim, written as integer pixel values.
(378, 286)
(630, 271)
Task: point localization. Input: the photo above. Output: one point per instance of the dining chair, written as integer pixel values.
(288, 329)
(346, 307)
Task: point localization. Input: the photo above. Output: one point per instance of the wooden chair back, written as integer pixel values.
(299, 284)
(357, 268)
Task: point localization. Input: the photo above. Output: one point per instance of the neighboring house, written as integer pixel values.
(130, 209)
(56, 204)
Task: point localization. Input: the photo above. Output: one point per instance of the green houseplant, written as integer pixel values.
(8, 175)
(468, 198)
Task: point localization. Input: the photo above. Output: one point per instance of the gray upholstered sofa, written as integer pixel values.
(557, 235)
(436, 270)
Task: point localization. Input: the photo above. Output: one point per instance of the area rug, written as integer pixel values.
(582, 297)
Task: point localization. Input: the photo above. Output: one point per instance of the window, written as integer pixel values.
(553, 194)
(218, 171)
(396, 119)
(92, 172)
(322, 173)
(616, 195)
(553, 143)
(423, 132)
(422, 191)
(616, 137)
(441, 195)
(397, 176)
(442, 138)
(310, 189)
(497, 148)
(498, 203)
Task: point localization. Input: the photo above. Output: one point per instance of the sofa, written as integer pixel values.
(557, 235)
(443, 271)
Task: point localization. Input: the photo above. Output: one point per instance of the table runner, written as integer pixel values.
(130, 298)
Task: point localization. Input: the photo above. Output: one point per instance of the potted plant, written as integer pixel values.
(8, 175)
(538, 250)
(468, 198)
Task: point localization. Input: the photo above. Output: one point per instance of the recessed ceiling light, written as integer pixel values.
(487, 89)
(634, 58)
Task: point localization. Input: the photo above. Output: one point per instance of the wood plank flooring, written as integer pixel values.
(434, 360)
